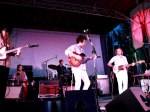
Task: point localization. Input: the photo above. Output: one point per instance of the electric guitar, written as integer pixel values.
(75, 62)
(116, 69)
(4, 52)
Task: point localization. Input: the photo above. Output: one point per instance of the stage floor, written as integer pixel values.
(47, 106)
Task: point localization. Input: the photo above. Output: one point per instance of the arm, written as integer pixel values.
(18, 52)
(25, 76)
(110, 62)
(69, 52)
(14, 76)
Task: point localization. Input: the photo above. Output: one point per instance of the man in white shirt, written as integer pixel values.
(78, 63)
(120, 69)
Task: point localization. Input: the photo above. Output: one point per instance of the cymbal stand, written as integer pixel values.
(47, 74)
(95, 68)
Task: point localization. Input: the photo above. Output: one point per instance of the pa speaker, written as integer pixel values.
(81, 101)
(131, 100)
(13, 92)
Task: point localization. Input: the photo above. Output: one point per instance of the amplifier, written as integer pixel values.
(49, 87)
(13, 92)
(103, 84)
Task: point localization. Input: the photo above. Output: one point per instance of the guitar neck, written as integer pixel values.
(136, 63)
(13, 50)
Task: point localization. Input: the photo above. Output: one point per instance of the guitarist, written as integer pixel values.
(121, 71)
(79, 71)
(5, 63)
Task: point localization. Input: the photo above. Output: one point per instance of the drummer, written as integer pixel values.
(61, 69)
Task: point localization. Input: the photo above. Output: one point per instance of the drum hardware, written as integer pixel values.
(54, 67)
(48, 77)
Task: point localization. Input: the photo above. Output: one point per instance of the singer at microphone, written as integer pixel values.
(20, 75)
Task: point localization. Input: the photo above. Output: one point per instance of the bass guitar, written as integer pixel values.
(4, 52)
(116, 69)
(75, 62)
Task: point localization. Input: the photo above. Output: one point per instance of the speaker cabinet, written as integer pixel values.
(131, 100)
(103, 84)
(13, 92)
(81, 101)
(49, 87)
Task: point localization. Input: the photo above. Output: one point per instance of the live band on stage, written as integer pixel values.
(72, 76)
(64, 75)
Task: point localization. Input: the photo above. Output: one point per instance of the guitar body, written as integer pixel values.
(75, 62)
(121, 67)
(3, 53)
(116, 69)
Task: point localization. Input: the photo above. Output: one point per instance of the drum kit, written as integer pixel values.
(143, 81)
(65, 77)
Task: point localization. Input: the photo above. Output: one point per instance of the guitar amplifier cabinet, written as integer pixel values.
(103, 84)
(49, 87)
(13, 92)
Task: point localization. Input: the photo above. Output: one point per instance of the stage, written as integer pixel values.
(47, 106)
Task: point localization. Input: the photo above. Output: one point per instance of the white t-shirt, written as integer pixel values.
(119, 60)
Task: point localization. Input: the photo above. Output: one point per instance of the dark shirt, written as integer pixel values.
(61, 70)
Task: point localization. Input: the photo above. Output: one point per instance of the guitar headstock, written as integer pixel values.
(33, 45)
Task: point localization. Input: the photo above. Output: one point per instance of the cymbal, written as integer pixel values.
(53, 67)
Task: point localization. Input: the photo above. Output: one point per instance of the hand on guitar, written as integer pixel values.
(18, 52)
(78, 57)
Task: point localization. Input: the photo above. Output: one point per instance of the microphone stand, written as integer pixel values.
(95, 69)
(137, 66)
(48, 77)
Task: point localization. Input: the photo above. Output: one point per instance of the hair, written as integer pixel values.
(6, 28)
(80, 38)
(60, 61)
(120, 49)
(18, 66)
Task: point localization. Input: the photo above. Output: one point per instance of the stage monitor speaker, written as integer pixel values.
(131, 100)
(81, 101)
(13, 92)
(48, 87)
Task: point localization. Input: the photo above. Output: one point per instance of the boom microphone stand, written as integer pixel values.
(95, 68)
(48, 77)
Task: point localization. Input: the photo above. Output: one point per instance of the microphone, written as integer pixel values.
(18, 74)
(67, 64)
(85, 30)
(56, 56)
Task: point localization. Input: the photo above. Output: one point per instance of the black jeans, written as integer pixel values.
(4, 71)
